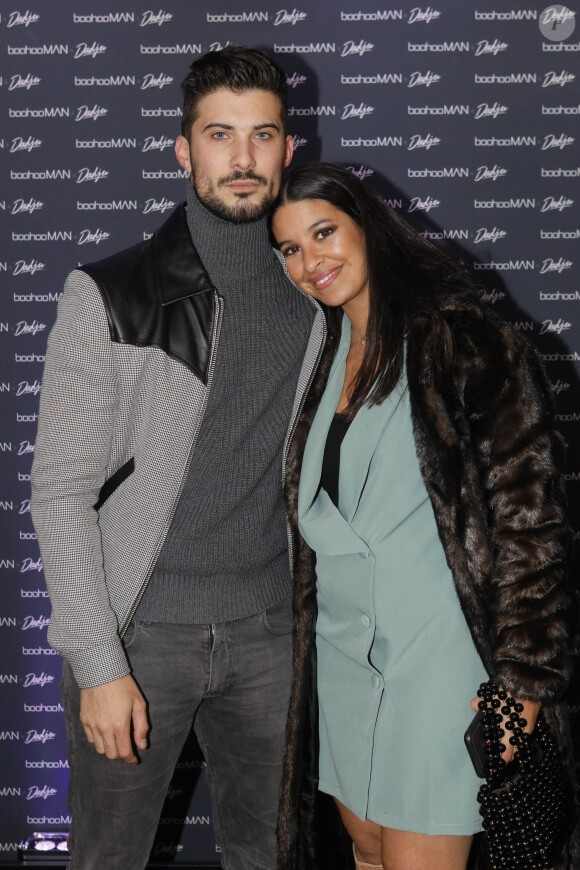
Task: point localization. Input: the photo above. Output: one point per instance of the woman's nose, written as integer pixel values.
(312, 261)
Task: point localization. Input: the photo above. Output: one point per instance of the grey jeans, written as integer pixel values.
(231, 681)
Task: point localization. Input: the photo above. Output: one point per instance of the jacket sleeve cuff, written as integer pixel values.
(98, 665)
(546, 686)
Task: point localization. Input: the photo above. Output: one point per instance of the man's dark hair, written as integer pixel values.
(237, 68)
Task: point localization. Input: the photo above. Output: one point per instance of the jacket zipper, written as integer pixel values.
(218, 326)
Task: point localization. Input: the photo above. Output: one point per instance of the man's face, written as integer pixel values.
(236, 153)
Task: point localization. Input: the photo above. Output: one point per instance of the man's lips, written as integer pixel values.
(243, 185)
(325, 279)
(239, 182)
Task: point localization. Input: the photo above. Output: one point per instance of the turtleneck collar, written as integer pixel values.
(228, 250)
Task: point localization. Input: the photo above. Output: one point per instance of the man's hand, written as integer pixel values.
(107, 713)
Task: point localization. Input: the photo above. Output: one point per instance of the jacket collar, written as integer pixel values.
(179, 272)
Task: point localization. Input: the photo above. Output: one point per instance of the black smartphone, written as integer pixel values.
(475, 743)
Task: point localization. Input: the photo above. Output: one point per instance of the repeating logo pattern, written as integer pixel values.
(465, 119)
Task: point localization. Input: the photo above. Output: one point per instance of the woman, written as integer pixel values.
(430, 497)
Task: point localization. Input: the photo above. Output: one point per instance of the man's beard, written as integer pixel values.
(243, 211)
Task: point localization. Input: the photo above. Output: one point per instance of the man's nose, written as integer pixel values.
(243, 155)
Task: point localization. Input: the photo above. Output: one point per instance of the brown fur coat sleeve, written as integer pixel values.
(501, 509)
(523, 488)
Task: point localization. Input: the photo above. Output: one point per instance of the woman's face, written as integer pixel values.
(325, 253)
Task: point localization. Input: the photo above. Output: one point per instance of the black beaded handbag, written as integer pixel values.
(524, 802)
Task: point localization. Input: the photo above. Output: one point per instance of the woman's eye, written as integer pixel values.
(324, 232)
(289, 251)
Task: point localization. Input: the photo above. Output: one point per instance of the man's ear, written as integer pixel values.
(182, 152)
(288, 151)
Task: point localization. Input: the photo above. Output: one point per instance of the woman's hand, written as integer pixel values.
(530, 714)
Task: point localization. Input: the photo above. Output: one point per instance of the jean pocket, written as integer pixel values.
(130, 636)
(278, 619)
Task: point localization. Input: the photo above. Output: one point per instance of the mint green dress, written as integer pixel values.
(397, 666)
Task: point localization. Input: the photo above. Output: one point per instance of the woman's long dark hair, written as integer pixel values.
(407, 276)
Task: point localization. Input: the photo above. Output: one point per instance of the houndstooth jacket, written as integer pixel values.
(128, 371)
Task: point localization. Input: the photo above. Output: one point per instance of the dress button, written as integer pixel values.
(365, 620)
(375, 681)
(364, 555)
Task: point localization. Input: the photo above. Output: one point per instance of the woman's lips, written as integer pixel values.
(324, 279)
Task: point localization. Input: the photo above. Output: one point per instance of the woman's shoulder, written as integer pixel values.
(467, 309)
(489, 354)
(481, 348)
(464, 319)
(475, 327)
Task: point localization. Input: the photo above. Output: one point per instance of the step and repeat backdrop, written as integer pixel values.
(464, 116)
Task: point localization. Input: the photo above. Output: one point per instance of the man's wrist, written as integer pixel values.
(98, 665)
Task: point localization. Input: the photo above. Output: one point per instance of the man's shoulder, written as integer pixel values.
(158, 294)
(118, 270)
(114, 261)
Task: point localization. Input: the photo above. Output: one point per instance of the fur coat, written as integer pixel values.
(489, 458)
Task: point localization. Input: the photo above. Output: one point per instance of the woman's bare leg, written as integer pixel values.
(366, 835)
(403, 850)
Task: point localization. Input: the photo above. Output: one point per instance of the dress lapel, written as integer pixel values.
(314, 450)
(359, 446)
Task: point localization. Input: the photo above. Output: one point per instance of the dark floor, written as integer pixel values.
(19, 865)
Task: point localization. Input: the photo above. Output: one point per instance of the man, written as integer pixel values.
(174, 373)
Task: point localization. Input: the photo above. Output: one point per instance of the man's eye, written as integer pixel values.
(219, 135)
(263, 135)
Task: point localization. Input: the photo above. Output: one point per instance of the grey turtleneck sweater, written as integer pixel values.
(226, 554)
